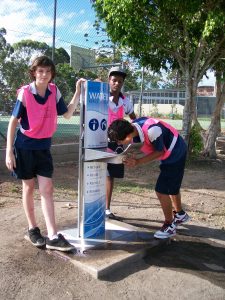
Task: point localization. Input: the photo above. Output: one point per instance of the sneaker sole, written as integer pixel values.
(59, 248)
(110, 218)
(34, 244)
(164, 237)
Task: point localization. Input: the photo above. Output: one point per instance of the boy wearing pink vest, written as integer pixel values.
(160, 142)
(119, 106)
(29, 157)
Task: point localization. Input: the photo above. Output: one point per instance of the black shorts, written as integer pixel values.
(170, 177)
(30, 163)
(115, 170)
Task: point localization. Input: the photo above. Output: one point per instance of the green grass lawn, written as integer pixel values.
(204, 123)
(67, 130)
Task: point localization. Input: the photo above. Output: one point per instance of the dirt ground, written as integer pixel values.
(191, 267)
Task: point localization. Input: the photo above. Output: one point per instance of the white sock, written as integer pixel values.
(107, 212)
(54, 236)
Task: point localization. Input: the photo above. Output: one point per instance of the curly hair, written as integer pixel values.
(119, 130)
(42, 61)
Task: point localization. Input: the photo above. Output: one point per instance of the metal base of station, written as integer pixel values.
(116, 232)
(123, 244)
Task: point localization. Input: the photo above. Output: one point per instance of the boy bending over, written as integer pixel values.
(160, 142)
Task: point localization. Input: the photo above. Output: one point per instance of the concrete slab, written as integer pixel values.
(123, 244)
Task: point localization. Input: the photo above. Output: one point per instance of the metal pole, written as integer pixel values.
(105, 65)
(141, 95)
(114, 52)
(54, 27)
(81, 163)
(122, 89)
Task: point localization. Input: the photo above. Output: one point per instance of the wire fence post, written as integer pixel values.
(141, 94)
(54, 29)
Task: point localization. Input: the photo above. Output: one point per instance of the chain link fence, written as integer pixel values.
(61, 25)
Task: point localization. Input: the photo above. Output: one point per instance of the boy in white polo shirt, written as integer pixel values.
(119, 106)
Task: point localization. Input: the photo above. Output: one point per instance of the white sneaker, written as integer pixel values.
(166, 231)
(111, 216)
(179, 219)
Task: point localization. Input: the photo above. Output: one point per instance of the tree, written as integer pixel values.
(215, 125)
(28, 49)
(6, 72)
(173, 79)
(14, 64)
(61, 56)
(188, 35)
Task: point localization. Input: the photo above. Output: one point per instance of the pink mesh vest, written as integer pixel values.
(42, 118)
(148, 148)
(112, 116)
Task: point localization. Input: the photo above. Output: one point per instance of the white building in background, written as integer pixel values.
(172, 101)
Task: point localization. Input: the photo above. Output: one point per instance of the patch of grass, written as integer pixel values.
(131, 187)
(15, 189)
(2, 204)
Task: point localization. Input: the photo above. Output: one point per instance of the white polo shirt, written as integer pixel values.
(128, 106)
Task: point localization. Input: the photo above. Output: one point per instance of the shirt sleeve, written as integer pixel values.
(129, 108)
(18, 110)
(156, 137)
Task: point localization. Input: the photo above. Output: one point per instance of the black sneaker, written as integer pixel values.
(34, 236)
(112, 217)
(60, 244)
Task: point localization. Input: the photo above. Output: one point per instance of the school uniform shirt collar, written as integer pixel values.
(34, 90)
(140, 132)
(120, 102)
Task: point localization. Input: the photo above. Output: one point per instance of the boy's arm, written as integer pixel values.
(75, 100)
(132, 116)
(132, 162)
(156, 138)
(10, 158)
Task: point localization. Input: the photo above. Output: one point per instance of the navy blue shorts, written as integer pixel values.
(170, 177)
(115, 170)
(30, 163)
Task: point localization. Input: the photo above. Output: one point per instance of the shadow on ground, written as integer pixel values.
(189, 252)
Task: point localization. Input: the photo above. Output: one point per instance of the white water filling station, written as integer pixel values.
(92, 229)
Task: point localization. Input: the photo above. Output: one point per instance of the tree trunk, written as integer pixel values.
(215, 125)
(189, 114)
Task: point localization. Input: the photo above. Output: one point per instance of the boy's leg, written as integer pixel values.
(180, 216)
(176, 200)
(33, 235)
(28, 201)
(168, 229)
(54, 241)
(166, 205)
(109, 190)
(114, 171)
(46, 192)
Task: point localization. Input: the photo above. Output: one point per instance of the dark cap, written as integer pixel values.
(117, 71)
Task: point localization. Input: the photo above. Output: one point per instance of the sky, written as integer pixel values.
(30, 19)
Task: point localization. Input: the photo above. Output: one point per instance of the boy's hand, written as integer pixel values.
(130, 161)
(78, 85)
(10, 161)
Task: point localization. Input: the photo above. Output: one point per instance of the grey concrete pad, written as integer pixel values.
(123, 244)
